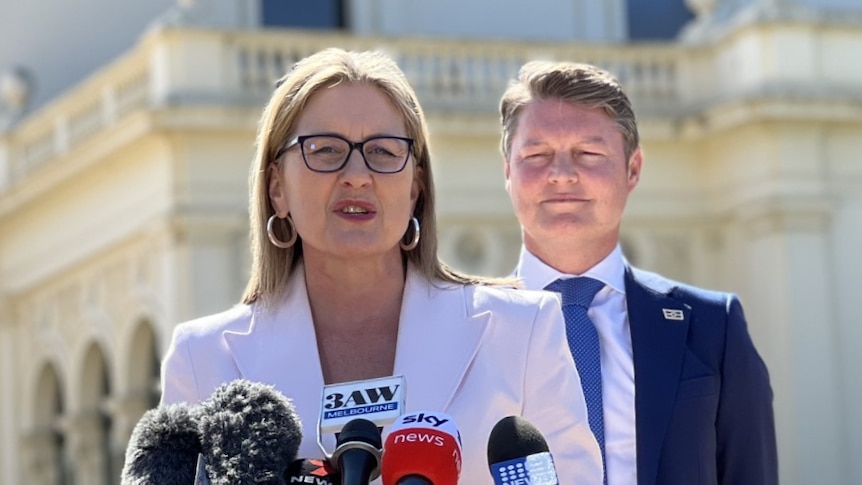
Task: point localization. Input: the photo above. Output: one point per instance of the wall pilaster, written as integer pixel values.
(41, 457)
(85, 434)
(9, 459)
(791, 292)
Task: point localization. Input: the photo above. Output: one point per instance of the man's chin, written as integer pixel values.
(550, 232)
(566, 223)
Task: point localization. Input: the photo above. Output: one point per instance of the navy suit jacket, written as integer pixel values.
(703, 402)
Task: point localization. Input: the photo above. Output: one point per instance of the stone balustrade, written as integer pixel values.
(175, 67)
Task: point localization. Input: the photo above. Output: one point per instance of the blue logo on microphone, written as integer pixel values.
(536, 469)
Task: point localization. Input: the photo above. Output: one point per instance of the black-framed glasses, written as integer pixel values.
(329, 153)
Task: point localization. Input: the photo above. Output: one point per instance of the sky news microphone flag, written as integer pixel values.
(422, 448)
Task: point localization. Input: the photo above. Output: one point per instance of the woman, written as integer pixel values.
(346, 284)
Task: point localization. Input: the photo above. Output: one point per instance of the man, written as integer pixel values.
(676, 392)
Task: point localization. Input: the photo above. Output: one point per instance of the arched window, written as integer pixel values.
(144, 390)
(144, 367)
(96, 465)
(48, 458)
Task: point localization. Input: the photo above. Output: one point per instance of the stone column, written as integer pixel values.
(41, 458)
(9, 387)
(791, 288)
(86, 447)
(126, 411)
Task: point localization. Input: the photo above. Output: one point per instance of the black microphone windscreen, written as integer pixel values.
(514, 437)
(250, 433)
(361, 430)
(163, 448)
(357, 452)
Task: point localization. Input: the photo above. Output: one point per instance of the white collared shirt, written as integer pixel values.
(610, 316)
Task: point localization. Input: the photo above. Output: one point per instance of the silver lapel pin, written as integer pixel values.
(671, 314)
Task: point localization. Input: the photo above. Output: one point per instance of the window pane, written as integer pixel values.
(327, 14)
(656, 19)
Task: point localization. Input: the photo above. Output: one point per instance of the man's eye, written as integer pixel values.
(593, 157)
(536, 157)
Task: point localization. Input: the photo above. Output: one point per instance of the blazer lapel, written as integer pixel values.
(438, 337)
(659, 328)
(279, 347)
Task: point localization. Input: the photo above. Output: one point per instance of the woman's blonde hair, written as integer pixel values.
(271, 266)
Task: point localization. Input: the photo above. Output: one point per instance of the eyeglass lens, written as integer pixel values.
(328, 153)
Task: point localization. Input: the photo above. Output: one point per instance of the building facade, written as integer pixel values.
(124, 196)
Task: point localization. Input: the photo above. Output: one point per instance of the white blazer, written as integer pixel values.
(474, 352)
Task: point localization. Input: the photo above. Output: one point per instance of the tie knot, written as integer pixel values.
(576, 291)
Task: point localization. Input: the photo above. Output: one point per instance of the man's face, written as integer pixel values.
(568, 176)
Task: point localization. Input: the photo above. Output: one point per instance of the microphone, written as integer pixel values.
(163, 448)
(423, 448)
(357, 452)
(412, 480)
(250, 433)
(518, 453)
(313, 471)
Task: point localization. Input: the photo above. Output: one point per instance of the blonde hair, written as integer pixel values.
(580, 84)
(271, 266)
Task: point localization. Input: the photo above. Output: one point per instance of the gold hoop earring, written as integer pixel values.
(415, 242)
(274, 240)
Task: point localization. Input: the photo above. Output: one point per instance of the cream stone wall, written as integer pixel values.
(123, 211)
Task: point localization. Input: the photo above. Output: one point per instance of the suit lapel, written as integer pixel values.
(438, 337)
(659, 328)
(279, 347)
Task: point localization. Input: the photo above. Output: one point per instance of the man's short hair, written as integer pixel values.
(580, 84)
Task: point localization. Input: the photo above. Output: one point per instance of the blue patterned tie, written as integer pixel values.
(577, 295)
